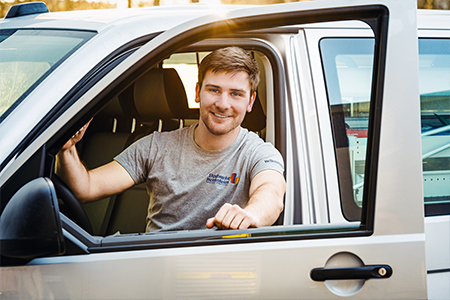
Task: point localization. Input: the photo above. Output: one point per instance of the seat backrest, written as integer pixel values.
(105, 138)
(158, 102)
(159, 98)
(256, 119)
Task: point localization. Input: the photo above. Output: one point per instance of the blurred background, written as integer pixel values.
(63, 5)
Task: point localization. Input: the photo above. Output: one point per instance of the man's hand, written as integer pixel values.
(232, 217)
(76, 137)
(263, 208)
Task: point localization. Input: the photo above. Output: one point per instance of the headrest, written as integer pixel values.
(160, 94)
(112, 109)
(256, 119)
(112, 117)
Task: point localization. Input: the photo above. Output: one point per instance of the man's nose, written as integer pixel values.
(223, 102)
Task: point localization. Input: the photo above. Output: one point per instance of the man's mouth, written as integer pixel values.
(219, 115)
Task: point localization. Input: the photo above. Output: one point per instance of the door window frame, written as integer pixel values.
(341, 203)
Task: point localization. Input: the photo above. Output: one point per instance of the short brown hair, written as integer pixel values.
(230, 59)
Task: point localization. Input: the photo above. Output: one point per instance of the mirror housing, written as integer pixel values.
(30, 225)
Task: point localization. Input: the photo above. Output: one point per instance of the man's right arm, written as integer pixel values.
(88, 186)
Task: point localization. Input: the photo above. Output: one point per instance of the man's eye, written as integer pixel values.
(235, 94)
(215, 91)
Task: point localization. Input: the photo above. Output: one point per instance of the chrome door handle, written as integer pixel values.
(366, 272)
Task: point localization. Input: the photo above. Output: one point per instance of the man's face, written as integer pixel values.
(224, 100)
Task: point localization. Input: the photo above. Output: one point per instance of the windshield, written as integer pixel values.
(27, 56)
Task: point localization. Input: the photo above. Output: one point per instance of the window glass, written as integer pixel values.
(27, 56)
(348, 66)
(434, 79)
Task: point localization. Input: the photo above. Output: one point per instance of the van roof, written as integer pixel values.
(157, 17)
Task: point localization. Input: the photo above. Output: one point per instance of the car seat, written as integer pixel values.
(158, 95)
(105, 138)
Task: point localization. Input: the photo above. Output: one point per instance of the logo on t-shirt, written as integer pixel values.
(273, 161)
(222, 179)
(234, 179)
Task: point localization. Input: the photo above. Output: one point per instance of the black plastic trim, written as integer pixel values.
(365, 272)
(25, 9)
(375, 115)
(438, 271)
(79, 233)
(437, 209)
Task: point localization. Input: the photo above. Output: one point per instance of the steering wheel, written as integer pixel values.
(74, 209)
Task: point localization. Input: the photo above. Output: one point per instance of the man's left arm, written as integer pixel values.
(267, 189)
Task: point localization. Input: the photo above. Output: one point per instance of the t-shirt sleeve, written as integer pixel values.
(136, 159)
(266, 157)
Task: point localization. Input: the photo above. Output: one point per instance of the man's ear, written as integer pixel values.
(252, 101)
(197, 93)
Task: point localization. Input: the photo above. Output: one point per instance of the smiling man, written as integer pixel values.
(214, 173)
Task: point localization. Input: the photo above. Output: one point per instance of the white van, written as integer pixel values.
(359, 109)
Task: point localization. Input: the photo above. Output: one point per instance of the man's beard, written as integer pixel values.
(215, 128)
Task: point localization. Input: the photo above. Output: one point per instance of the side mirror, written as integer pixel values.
(30, 225)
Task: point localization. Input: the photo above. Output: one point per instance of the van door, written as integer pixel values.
(378, 252)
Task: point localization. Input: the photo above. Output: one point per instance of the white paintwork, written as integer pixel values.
(438, 286)
(254, 271)
(437, 232)
(159, 17)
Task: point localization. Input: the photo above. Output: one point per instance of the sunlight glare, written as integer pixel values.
(216, 6)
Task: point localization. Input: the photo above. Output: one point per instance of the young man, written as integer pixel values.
(214, 173)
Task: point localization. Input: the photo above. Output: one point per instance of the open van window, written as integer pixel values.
(160, 100)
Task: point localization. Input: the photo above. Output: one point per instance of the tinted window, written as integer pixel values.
(434, 76)
(348, 67)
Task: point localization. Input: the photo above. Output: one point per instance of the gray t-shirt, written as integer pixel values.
(187, 184)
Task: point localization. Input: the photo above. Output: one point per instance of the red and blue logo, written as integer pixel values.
(234, 179)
